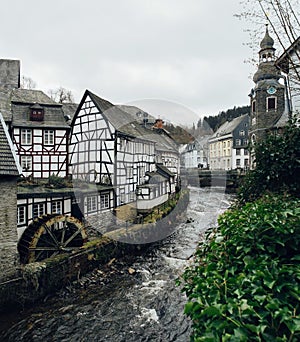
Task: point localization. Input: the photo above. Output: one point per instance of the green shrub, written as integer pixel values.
(277, 160)
(244, 284)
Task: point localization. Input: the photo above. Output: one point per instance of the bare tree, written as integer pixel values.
(27, 83)
(61, 95)
(282, 16)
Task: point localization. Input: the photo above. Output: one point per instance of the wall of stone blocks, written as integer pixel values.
(8, 227)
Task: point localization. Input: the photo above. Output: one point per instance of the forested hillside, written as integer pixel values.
(214, 122)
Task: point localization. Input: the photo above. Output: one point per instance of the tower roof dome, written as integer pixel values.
(267, 42)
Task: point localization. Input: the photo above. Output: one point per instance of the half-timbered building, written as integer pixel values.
(37, 125)
(111, 150)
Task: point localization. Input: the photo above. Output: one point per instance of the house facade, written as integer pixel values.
(37, 125)
(117, 156)
(289, 65)
(228, 146)
(195, 154)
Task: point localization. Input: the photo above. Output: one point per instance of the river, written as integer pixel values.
(133, 299)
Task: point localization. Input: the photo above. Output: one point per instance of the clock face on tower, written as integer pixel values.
(271, 90)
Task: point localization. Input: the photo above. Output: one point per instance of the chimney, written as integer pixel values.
(158, 123)
(9, 73)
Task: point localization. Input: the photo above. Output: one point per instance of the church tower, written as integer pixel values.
(268, 96)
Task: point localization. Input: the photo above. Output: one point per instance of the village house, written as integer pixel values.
(228, 146)
(36, 123)
(289, 65)
(113, 151)
(195, 154)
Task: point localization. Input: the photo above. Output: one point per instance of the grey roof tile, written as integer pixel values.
(8, 160)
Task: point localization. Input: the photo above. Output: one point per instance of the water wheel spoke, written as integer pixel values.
(53, 237)
(72, 237)
(65, 227)
(43, 240)
(43, 248)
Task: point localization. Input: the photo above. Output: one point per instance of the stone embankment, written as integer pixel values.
(37, 280)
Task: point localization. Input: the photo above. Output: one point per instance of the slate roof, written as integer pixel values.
(163, 142)
(138, 114)
(9, 165)
(229, 126)
(15, 106)
(122, 121)
(69, 109)
(161, 169)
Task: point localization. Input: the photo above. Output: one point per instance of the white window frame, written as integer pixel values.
(56, 207)
(238, 142)
(38, 209)
(104, 201)
(26, 163)
(21, 214)
(91, 204)
(26, 136)
(129, 171)
(49, 137)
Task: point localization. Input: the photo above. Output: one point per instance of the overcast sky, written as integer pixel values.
(188, 52)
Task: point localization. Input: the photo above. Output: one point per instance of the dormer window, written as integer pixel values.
(36, 113)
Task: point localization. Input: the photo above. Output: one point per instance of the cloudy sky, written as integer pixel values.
(185, 52)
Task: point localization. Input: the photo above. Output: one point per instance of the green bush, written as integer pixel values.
(277, 160)
(244, 284)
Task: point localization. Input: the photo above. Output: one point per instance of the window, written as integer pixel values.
(242, 133)
(246, 152)
(129, 172)
(246, 162)
(238, 142)
(104, 201)
(91, 202)
(26, 136)
(238, 162)
(26, 163)
(245, 142)
(238, 152)
(48, 137)
(38, 209)
(254, 106)
(56, 207)
(37, 113)
(122, 196)
(271, 103)
(21, 214)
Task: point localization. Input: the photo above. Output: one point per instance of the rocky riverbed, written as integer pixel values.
(131, 299)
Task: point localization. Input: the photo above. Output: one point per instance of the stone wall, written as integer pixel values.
(8, 227)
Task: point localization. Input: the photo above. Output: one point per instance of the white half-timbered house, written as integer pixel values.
(36, 124)
(111, 150)
(40, 134)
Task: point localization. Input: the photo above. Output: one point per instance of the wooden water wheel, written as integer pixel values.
(50, 235)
